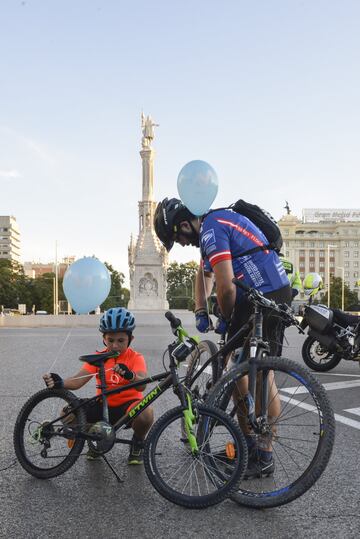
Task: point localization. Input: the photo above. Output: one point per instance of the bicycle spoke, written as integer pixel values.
(291, 427)
(295, 439)
(194, 478)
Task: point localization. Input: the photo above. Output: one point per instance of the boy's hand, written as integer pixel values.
(124, 371)
(53, 381)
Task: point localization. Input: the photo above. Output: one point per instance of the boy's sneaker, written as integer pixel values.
(136, 451)
(259, 465)
(92, 455)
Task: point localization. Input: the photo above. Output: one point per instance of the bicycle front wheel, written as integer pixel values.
(295, 433)
(195, 479)
(200, 385)
(46, 445)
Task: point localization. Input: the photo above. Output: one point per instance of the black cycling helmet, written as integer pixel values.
(168, 215)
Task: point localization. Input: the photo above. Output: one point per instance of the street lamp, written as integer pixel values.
(56, 286)
(342, 287)
(328, 270)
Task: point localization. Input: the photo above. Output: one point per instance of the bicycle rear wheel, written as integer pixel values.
(201, 479)
(300, 433)
(43, 442)
(201, 385)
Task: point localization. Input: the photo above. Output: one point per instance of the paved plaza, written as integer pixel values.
(87, 502)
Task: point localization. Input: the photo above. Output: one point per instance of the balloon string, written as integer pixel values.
(95, 373)
(88, 375)
(63, 344)
(206, 299)
(203, 279)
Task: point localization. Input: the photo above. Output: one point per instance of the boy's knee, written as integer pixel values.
(148, 416)
(67, 418)
(145, 419)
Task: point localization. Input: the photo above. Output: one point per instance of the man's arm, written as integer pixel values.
(204, 283)
(225, 289)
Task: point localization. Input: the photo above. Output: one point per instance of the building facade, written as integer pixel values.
(325, 241)
(9, 238)
(36, 269)
(148, 259)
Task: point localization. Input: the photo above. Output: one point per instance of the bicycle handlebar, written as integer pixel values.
(254, 294)
(241, 284)
(179, 331)
(174, 322)
(257, 297)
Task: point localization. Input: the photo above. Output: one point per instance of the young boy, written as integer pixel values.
(116, 325)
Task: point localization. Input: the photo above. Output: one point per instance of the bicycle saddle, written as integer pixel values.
(97, 359)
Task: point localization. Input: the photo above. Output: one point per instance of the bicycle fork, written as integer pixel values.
(258, 422)
(189, 418)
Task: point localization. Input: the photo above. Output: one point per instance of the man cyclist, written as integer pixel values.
(223, 235)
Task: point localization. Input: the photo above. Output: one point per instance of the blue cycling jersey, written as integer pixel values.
(224, 235)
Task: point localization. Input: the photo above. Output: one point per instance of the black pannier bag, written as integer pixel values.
(319, 318)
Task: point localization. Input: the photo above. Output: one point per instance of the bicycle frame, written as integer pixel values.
(225, 349)
(253, 331)
(167, 379)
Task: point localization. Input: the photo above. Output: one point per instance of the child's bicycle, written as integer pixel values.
(300, 432)
(51, 430)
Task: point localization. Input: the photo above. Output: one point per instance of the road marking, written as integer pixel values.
(298, 390)
(347, 421)
(355, 411)
(311, 408)
(337, 374)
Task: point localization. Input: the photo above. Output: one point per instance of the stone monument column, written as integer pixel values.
(148, 259)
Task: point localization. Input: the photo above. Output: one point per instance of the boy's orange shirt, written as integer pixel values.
(134, 361)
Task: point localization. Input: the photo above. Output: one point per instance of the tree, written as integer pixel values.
(14, 285)
(118, 295)
(350, 297)
(180, 284)
(43, 292)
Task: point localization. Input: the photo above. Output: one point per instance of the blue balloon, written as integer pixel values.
(86, 284)
(197, 185)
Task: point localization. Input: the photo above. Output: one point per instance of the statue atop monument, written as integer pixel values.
(147, 125)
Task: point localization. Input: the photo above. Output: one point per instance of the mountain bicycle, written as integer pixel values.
(51, 430)
(280, 405)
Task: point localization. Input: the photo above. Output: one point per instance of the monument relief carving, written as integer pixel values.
(148, 285)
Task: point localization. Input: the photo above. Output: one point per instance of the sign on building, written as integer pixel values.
(317, 215)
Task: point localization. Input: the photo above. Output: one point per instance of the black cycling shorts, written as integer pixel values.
(273, 328)
(94, 410)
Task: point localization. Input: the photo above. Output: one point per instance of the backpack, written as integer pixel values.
(264, 221)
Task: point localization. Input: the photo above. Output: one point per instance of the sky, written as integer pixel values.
(265, 91)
